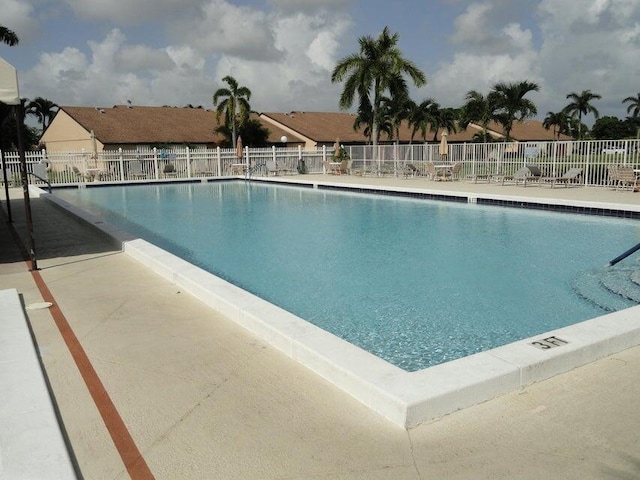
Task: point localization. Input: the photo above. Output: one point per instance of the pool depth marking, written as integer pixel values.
(549, 342)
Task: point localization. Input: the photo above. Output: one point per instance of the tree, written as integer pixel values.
(233, 104)
(43, 109)
(253, 134)
(634, 109)
(511, 104)
(9, 131)
(8, 37)
(419, 115)
(558, 120)
(612, 128)
(396, 110)
(377, 69)
(479, 109)
(581, 105)
(442, 119)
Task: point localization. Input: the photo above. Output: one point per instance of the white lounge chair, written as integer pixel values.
(570, 176)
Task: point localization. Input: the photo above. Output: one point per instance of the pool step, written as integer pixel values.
(621, 282)
(608, 289)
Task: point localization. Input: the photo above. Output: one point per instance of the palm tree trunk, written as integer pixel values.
(234, 131)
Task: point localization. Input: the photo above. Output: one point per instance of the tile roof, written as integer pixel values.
(325, 127)
(138, 125)
(122, 124)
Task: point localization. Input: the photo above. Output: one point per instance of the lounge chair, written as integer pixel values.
(200, 168)
(282, 168)
(434, 173)
(453, 173)
(570, 176)
(135, 170)
(273, 167)
(535, 173)
(481, 175)
(410, 170)
(79, 175)
(524, 175)
(625, 177)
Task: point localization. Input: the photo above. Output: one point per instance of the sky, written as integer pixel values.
(176, 52)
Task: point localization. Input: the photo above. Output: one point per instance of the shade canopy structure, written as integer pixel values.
(10, 95)
(9, 90)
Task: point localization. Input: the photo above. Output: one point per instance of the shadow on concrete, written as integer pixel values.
(56, 233)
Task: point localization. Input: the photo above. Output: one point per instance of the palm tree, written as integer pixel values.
(634, 105)
(634, 109)
(581, 104)
(377, 69)
(397, 109)
(233, 104)
(418, 120)
(8, 37)
(44, 109)
(479, 109)
(557, 120)
(442, 119)
(511, 104)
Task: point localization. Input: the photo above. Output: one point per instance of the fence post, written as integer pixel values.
(155, 162)
(121, 164)
(587, 161)
(324, 157)
(188, 161)
(219, 160)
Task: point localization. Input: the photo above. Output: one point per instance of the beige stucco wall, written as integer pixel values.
(66, 135)
(308, 144)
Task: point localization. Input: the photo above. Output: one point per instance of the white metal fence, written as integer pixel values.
(553, 158)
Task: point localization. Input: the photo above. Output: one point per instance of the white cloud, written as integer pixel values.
(141, 57)
(471, 28)
(131, 12)
(591, 45)
(469, 71)
(309, 5)
(284, 50)
(489, 51)
(17, 16)
(302, 80)
(115, 72)
(479, 29)
(225, 28)
(111, 70)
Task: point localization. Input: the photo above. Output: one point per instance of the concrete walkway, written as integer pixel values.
(178, 391)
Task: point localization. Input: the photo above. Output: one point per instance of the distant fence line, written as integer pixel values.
(554, 158)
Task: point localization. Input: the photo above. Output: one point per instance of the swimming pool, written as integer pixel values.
(417, 283)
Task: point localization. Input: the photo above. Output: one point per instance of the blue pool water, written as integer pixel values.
(414, 282)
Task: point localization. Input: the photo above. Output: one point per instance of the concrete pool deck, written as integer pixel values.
(203, 398)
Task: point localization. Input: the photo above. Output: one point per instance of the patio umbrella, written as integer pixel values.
(443, 149)
(336, 148)
(239, 148)
(94, 146)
